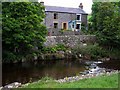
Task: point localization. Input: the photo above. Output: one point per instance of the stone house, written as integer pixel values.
(64, 18)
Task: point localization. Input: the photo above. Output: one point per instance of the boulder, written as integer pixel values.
(12, 85)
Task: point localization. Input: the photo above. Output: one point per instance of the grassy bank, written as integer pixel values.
(96, 82)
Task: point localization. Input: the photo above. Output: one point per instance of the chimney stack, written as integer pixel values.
(81, 6)
(42, 3)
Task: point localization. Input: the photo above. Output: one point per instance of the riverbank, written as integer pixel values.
(103, 81)
(84, 51)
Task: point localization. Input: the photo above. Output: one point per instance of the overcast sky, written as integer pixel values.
(87, 4)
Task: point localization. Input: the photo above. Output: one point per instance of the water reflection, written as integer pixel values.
(26, 72)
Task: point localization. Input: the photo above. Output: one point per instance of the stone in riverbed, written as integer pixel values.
(108, 70)
(12, 85)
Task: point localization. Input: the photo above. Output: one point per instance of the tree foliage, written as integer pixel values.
(22, 29)
(93, 19)
(106, 23)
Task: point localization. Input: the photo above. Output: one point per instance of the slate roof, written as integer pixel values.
(64, 9)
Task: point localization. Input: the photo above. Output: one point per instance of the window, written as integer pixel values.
(55, 25)
(78, 26)
(55, 16)
(79, 17)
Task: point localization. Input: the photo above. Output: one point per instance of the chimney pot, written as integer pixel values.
(81, 6)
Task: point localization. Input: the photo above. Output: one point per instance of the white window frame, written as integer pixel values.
(80, 25)
(80, 17)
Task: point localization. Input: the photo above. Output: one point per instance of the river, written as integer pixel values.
(33, 71)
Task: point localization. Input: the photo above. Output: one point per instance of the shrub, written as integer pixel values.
(94, 51)
(53, 49)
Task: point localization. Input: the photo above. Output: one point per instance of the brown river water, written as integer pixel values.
(33, 71)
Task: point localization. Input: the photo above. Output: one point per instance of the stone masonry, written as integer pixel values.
(69, 40)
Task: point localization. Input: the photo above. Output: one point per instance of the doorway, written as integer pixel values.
(65, 26)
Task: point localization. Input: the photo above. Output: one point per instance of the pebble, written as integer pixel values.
(1, 88)
(87, 75)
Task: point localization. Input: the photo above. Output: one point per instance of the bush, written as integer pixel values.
(46, 78)
(61, 31)
(58, 47)
(94, 51)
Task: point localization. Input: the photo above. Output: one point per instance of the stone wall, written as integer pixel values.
(57, 32)
(69, 40)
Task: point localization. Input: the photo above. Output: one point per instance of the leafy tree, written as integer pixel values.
(106, 22)
(93, 19)
(23, 30)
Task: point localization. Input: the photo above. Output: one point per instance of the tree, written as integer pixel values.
(93, 19)
(22, 29)
(106, 22)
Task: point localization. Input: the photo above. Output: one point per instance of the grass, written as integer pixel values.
(104, 81)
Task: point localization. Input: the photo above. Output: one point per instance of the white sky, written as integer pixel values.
(87, 4)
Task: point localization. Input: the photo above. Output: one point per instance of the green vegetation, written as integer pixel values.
(62, 31)
(53, 49)
(94, 51)
(104, 81)
(23, 30)
(106, 23)
(113, 54)
(89, 17)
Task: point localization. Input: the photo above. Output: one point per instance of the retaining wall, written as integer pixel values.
(69, 40)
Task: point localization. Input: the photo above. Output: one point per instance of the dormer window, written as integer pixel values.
(55, 15)
(79, 17)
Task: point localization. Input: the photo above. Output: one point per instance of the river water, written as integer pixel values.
(33, 71)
